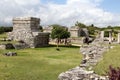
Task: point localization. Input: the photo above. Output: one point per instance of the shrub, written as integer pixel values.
(114, 73)
(5, 29)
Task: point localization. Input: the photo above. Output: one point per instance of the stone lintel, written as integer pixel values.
(41, 33)
(74, 29)
(28, 20)
(25, 18)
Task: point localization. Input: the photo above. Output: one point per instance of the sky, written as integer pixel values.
(101, 13)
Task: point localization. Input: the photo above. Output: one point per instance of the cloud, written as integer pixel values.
(85, 11)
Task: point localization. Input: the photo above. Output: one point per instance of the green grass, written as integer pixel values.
(38, 64)
(4, 35)
(111, 57)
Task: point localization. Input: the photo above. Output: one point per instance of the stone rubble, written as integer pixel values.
(92, 55)
(10, 54)
(7, 46)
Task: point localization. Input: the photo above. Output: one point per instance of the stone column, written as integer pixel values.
(110, 36)
(102, 35)
(118, 37)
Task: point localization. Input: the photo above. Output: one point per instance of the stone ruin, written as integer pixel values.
(27, 31)
(110, 38)
(92, 55)
(76, 31)
(48, 29)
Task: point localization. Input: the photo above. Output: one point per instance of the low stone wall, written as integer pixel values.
(80, 73)
(92, 55)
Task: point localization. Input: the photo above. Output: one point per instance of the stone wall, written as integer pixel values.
(48, 29)
(76, 31)
(92, 55)
(27, 30)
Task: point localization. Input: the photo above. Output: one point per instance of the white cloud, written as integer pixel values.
(85, 11)
(27, 2)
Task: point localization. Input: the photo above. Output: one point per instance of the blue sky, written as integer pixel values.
(54, 1)
(108, 5)
(101, 13)
(111, 5)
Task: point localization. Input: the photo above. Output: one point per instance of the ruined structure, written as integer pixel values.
(119, 37)
(48, 29)
(76, 31)
(27, 30)
(92, 55)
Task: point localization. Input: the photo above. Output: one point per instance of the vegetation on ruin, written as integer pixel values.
(111, 57)
(38, 64)
(92, 29)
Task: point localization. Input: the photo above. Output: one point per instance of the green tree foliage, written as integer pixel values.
(41, 28)
(59, 32)
(109, 27)
(114, 30)
(106, 34)
(81, 25)
(92, 29)
(5, 29)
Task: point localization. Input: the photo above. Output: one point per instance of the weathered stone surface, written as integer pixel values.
(27, 30)
(79, 73)
(7, 46)
(119, 37)
(2, 46)
(76, 31)
(92, 55)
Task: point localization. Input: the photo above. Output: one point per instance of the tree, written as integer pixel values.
(5, 29)
(91, 28)
(58, 32)
(41, 28)
(81, 25)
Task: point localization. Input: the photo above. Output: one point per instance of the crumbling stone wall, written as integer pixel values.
(27, 30)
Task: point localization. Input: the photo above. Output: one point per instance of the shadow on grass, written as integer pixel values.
(67, 46)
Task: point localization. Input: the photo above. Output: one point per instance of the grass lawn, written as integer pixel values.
(111, 57)
(4, 35)
(38, 64)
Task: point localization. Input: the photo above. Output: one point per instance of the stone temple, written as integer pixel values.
(27, 30)
(76, 31)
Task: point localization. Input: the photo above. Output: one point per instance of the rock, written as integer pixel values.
(77, 73)
(92, 55)
(7, 46)
(2, 46)
(10, 54)
(21, 46)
